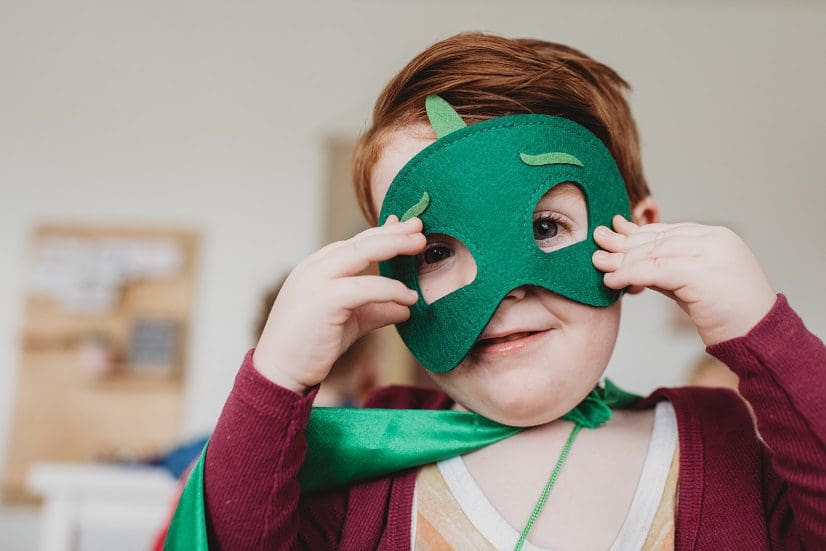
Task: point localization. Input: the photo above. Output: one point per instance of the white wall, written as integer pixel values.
(211, 114)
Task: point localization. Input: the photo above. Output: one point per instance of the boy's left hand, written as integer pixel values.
(708, 270)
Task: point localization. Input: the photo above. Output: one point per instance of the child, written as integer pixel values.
(682, 468)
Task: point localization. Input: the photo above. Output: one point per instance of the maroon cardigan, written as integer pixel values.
(735, 492)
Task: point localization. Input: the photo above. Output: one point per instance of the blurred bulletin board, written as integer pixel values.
(102, 346)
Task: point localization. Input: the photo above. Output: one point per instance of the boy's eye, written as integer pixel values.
(545, 228)
(553, 230)
(433, 254)
(436, 253)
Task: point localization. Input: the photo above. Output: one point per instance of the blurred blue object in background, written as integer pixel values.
(178, 459)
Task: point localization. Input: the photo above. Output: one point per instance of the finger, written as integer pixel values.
(374, 315)
(618, 242)
(357, 254)
(609, 240)
(621, 225)
(391, 226)
(660, 246)
(356, 291)
(605, 261)
(664, 245)
(669, 274)
(625, 226)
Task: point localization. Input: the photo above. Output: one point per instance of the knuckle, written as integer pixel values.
(655, 244)
(330, 247)
(322, 254)
(369, 232)
(724, 232)
(659, 237)
(727, 237)
(355, 246)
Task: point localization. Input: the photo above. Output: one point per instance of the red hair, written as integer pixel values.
(484, 76)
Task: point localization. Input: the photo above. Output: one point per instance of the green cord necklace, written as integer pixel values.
(547, 490)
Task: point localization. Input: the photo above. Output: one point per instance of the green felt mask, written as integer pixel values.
(480, 184)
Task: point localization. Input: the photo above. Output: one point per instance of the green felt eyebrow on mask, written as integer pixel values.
(480, 184)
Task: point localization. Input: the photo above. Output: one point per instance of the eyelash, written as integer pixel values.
(556, 217)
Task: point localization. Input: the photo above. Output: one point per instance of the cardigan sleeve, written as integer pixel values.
(782, 371)
(251, 489)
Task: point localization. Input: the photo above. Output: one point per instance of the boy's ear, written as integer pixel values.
(443, 118)
(646, 211)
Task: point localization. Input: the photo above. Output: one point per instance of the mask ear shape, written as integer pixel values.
(443, 118)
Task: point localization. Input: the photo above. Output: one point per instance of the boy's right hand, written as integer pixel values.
(325, 304)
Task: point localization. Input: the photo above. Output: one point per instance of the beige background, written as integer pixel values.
(214, 114)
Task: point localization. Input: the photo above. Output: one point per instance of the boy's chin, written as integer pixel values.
(520, 398)
(528, 415)
(526, 407)
(506, 418)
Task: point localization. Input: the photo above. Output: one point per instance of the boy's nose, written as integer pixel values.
(518, 293)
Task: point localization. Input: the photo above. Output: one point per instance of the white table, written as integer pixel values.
(83, 498)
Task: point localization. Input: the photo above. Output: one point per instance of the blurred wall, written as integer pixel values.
(213, 115)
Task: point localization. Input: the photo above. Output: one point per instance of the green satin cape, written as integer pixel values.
(348, 445)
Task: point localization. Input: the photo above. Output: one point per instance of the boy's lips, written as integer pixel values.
(508, 342)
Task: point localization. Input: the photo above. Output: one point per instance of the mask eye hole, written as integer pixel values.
(444, 266)
(560, 217)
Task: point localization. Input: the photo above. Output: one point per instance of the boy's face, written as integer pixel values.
(556, 349)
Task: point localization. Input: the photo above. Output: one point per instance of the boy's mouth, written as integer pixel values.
(508, 343)
(506, 338)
